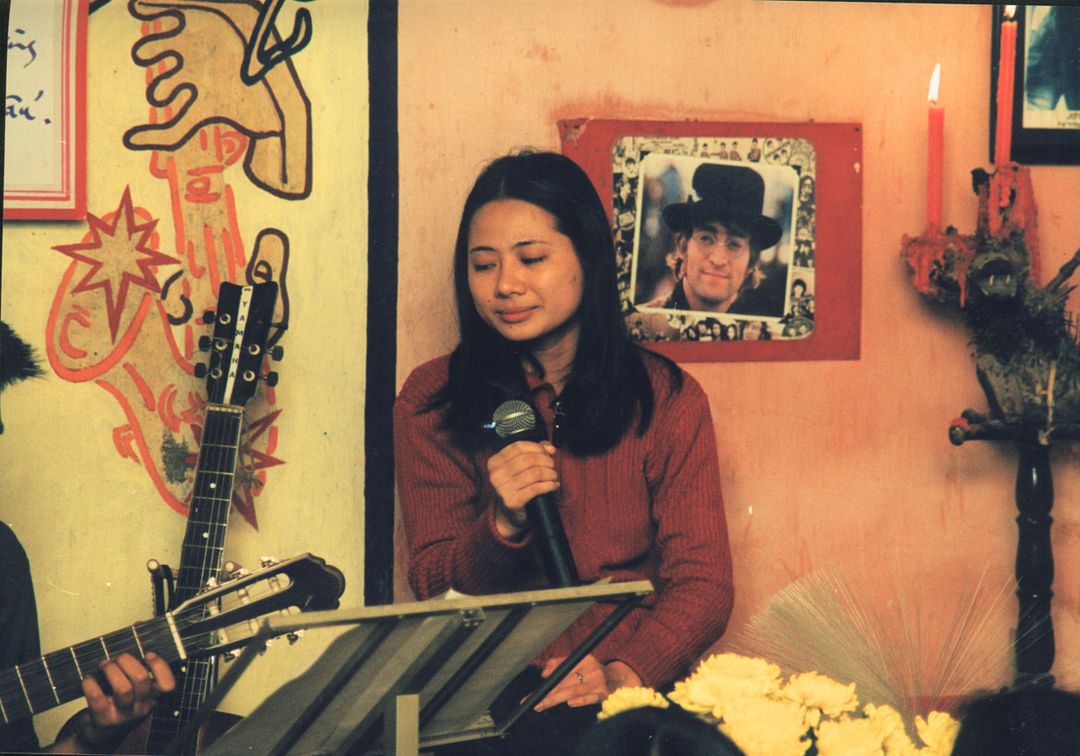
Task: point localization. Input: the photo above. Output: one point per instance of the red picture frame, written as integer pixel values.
(45, 111)
(829, 152)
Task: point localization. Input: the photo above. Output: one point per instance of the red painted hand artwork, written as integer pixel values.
(127, 313)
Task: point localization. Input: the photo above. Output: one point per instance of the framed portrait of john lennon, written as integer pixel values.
(733, 241)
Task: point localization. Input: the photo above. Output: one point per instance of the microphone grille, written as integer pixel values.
(513, 417)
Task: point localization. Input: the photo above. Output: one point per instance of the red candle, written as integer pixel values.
(935, 142)
(1006, 74)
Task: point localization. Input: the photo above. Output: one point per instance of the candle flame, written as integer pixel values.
(935, 82)
(1010, 11)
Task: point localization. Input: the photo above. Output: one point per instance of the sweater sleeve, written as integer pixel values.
(696, 593)
(448, 516)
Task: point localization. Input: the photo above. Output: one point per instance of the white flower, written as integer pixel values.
(938, 731)
(766, 727)
(725, 677)
(889, 726)
(625, 699)
(849, 737)
(818, 695)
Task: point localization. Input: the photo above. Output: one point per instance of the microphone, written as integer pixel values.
(515, 420)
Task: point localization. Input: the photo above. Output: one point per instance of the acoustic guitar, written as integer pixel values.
(212, 622)
(237, 350)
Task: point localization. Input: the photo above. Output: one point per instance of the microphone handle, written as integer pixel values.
(555, 551)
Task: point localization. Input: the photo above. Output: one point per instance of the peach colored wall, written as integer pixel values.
(841, 464)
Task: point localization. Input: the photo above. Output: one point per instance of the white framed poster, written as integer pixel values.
(45, 111)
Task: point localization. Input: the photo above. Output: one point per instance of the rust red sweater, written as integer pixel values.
(649, 508)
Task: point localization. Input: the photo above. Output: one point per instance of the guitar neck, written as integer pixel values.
(195, 680)
(217, 620)
(56, 678)
(201, 554)
(201, 559)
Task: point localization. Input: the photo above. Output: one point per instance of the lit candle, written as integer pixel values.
(1006, 74)
(935, 142)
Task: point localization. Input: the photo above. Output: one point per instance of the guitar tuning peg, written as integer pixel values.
(204, 343)
(228, 656)
(266, 561)
(294, 636)
(200, 370)
(231, 567)
(277, 353)
(209, 317)
(271, 379)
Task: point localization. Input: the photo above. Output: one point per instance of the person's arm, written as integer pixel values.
(695, 591)
(449, 513)
(110, 716)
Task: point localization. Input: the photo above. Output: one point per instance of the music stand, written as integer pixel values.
(411, 676)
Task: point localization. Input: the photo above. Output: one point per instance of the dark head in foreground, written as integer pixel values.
(1032, 720)
(651, 731)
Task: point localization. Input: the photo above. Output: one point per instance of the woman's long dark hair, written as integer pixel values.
(608, 384)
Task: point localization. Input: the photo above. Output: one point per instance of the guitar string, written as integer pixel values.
(220, 447)
(60, 669)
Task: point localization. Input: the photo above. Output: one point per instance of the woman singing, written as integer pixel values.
(630, 455)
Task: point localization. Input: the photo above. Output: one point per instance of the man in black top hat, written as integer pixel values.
(719, 236)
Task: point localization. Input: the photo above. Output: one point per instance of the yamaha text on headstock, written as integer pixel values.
(237, 351)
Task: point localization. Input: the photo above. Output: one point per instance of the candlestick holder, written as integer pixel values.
(1027, 361)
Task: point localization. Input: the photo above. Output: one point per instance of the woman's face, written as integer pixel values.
(525, 277)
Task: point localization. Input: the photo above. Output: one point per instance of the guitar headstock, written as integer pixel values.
(241, 329)
(226, 616)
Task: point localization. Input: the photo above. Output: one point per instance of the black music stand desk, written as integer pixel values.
(408, 676)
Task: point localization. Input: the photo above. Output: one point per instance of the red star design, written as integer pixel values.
(253, 461)
(250, 463)
(118, 257)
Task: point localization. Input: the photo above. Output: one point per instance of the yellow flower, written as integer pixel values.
(818, 695)
(736, 665)
(685, 697)
(722, 678)
(625, 699)
(938, 731)
(765, 727)
(889, 726)
(848, 737)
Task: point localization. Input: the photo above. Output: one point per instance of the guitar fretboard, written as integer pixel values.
(56, 678)
(201, 558)
(201, 554)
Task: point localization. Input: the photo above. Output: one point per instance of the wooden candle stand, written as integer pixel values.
(1028, 363)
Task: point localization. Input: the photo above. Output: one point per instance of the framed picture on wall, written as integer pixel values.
(1046, 84)
(45, 110)
(733, 241)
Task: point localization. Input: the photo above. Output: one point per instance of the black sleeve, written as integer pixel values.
(19, 638)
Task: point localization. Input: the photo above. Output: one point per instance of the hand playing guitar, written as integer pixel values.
(128, 695)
